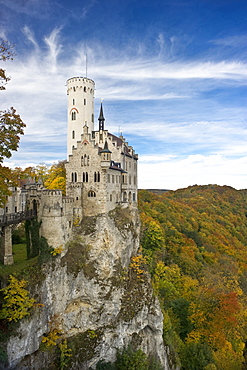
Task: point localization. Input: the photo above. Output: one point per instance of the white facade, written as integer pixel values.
(80, 91)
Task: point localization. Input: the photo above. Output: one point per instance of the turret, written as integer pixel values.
(80, 91)
(101, 119)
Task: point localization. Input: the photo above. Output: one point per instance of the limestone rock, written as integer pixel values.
(94, 298)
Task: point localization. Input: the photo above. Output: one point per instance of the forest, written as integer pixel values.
(195, 244)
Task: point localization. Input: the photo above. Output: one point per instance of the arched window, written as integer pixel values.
(85, 159)
(72, 177)
(91, 194)
(83, 177)
(86, 177)
(96, 177)
(82, 161)
(88, 160)
(73, 116)
(75, 177)
(134, 197)
(73, 134)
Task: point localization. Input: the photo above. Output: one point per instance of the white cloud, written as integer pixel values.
(196, 169)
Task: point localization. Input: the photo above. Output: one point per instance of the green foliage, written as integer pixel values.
(196, 356)
(153, 237)
(129, 359)
(65, 354)
(102, 365)
(45, 250)
(17, 301)
(18, 234)
(32, 237)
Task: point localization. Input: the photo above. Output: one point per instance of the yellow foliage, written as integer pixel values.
(51, 338)
(57, 250)
(17, 301)
(76, 221)
(137, 264)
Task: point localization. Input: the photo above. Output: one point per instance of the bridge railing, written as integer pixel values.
(15, 218)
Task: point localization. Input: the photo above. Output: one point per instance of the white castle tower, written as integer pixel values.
(101, 171)
(80, 91)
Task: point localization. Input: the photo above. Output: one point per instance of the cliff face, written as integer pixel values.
(96, 295)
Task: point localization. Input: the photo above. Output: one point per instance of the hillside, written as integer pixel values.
(195, 241)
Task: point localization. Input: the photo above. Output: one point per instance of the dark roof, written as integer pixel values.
(106, 149)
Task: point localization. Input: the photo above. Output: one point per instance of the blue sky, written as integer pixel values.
(172, 75)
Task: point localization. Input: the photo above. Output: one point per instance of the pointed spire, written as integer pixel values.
(101, 118)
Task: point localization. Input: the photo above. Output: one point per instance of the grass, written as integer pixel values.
(20, 261)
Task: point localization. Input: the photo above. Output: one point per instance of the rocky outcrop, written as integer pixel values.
(96, 295)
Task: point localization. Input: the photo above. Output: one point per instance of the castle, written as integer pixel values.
(101, 173)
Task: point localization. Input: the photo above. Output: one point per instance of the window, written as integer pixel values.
(85, 101)
(92, 117)
(113, 179)
(82, 161)
(73, 134)
(85, 177)
(74, 88)
(73, 101)
(75, 177)
(96, 177)
(108, 178)
(85, 89)
(129, 179)
(73, 116)
(110, 197)
(134, 197)
(91, 194)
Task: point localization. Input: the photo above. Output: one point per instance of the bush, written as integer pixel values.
(196, 356)
(129, 359)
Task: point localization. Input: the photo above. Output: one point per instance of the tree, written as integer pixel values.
(6, 52)
(17, 301)
(56, 178)
(11, 127)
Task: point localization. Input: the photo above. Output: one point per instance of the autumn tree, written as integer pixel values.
(56, 177)
(11, 127)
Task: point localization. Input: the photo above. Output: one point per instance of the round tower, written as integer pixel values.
(80, 91)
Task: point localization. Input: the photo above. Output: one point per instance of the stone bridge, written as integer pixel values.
(7, 222)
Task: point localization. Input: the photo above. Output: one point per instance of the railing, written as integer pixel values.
(15, 218)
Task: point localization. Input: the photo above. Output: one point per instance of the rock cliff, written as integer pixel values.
(95, 294)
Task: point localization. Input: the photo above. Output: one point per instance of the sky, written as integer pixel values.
(172, 75)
